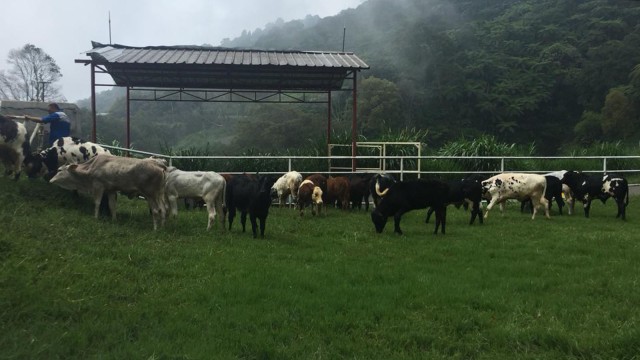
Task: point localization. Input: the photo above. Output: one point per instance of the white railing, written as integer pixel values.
(502, 163)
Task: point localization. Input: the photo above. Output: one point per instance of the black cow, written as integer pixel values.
(378, 184)
(553, 190)
(585, 188)
(618, 188)
(465, 191)
(360, 191)
(252, 196)
(405, 196)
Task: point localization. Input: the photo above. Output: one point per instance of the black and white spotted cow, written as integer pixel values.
(618, 188)
(65, 151)
(517, 186)
(14, 146)
(586, 188)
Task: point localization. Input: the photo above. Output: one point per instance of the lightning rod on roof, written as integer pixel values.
(110, 43)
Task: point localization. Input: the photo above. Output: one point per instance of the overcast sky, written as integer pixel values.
(64, 29)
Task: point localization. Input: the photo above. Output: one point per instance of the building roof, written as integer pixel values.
(201, 67)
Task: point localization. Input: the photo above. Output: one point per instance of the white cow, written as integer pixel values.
(207, 185)
(14, 146)
(517, 186)
(110, 174)
(286, 185)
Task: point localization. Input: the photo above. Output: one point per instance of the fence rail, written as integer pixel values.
(440, 165)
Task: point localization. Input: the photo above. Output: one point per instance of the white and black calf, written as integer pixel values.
(618, 188)
(519, 186)
(65, 151)
(405, 196)
(206, 185)
(14, 146)
(250, 196)
(586, 188)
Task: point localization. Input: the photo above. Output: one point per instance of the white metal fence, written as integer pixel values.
(399, 164)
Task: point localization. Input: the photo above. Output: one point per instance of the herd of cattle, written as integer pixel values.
(88, 168)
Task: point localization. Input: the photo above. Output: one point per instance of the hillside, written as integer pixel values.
(552, 72)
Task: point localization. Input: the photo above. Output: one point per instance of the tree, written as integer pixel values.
(31, 77)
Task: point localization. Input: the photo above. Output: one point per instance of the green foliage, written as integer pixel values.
(516, 70)
(589, 128)
(619, 115)
(485, 145)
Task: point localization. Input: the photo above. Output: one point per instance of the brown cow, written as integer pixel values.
(338, 189)
(309, 194)
(109, 174)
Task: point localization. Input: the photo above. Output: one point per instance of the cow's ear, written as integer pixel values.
(72, 167)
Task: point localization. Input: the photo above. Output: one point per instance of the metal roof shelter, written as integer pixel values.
(214, 74)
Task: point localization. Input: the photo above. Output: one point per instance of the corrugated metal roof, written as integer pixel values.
(224, 68)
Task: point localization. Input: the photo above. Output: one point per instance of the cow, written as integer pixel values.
(14, 146)
(585, 188)
(206, 185)
(553, 191)
(286, 185)
(338, 190)
(517, 186)
(65, 151)
(309, 194)
(360, 191)
(618, 188)
(379, 183)
(250, 196)
(464, 191)
(107, 174)
(405, 196)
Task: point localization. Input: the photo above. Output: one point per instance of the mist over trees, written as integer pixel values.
(555, 72)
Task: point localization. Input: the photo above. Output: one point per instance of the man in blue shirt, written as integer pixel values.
(59, 124)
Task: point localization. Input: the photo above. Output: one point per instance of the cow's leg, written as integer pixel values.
(441, 215)
(396, 221)
(263, 225)
(254, 224)
(243, 220)
(173, 204)
(476, 212)
(547, 214)
(492, 203)
(587, 207)
(112, 201)
(560, 203)
(502, 205)
(232, 215)
(97, 197)
(429, 212)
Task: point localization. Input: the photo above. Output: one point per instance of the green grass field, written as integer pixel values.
(315, 288)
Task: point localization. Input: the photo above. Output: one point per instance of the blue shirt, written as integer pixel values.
(59, 125)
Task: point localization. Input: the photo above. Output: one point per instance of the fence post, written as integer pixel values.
(289, 164)
(604, 164)
(502, 165)
(401, 169)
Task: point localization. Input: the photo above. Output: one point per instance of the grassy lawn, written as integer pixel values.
(316, 288)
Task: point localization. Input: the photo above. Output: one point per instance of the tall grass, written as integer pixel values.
(316, 287)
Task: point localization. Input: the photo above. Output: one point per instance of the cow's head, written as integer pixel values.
(66, 177)
(316, 195)
(379, 220)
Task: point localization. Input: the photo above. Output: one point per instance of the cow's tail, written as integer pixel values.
(626, 196)
(380, 193)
